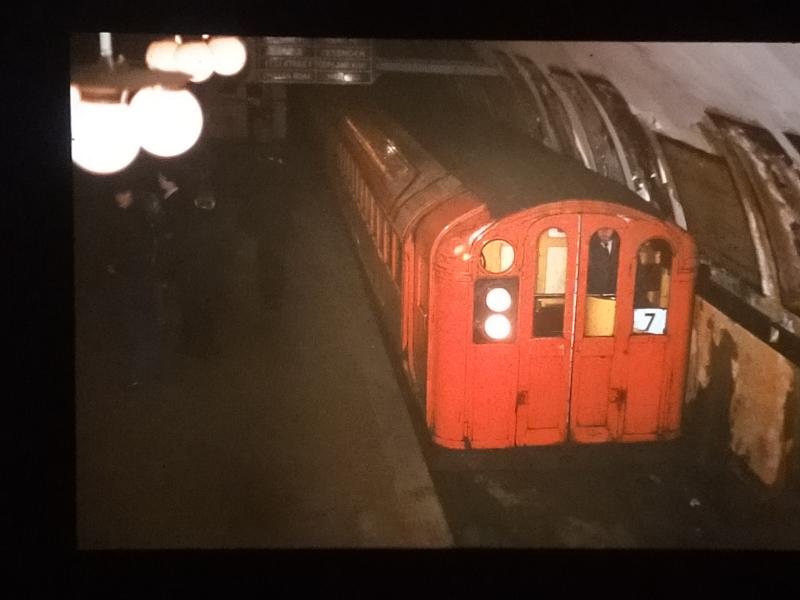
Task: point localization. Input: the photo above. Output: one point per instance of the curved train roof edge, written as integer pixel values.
(506, 169)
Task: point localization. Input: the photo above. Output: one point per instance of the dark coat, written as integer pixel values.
(192, 237)
(603, 267)
(130, 241)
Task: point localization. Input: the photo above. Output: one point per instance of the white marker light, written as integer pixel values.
(498, 299)
(497, 327)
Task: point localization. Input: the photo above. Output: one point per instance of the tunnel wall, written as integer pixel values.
(741, 398)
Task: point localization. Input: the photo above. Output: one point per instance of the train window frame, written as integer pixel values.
(387, 248)
(671, 149)
(482, 258)
(601, 141)
(651, 314)
(542, 274)
(596, 320)
(398, 257)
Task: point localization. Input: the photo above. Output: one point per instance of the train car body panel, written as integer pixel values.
(548, 381)
(720, 118)
(494, 304)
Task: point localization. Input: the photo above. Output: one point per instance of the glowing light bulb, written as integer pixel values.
(229, 54)
(160, 55)
(498, 299)
(169, 122)
(497, 327)
(195, 59)
(104, 136)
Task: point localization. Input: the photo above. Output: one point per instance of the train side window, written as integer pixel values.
(398, 257)
(714, 211)
(497, 256)
(551, 284)
(635, 144)
(556, 111)
(601, 287)
(777, 190)
(651, 292)
(361, 191)
(371, 214)
(381, 230)
(602, 145)
(387, 245)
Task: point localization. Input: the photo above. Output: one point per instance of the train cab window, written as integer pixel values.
(713, 208)
(497, 256)
(601, 286)
(551, 284)
(635, 144)
(651, 292)
(603, 149)
(557, 114)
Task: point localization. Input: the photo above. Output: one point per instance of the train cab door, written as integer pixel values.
(600, 340)
(545, 334)
(619, 351)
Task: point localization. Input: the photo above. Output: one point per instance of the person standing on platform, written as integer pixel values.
(266, 216)
(130, 263)
(193, 248)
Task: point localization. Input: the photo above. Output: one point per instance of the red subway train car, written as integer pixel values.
(533, 301)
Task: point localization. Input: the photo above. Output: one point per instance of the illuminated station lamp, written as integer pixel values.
(118, 110)
(115, 109)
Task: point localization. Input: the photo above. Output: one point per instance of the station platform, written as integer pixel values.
(295, 436)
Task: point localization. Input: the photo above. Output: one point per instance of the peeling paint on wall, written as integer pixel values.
(674, 83)
(737, 395)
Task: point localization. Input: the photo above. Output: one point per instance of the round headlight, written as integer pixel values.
(497, 327)
(498, 299)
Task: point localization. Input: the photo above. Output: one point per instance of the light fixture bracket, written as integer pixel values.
(102, 81)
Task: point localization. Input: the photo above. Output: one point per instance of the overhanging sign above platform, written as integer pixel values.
(307, 60)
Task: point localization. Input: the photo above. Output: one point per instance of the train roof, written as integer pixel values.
(506, 169)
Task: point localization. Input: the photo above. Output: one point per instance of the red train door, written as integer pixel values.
(592, 338)
(600, 345)
(620, 364)
(545, 329)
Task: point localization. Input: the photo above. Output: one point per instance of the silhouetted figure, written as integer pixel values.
(130, 262)
(194, 261)
(603, 261)
(266, 215)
